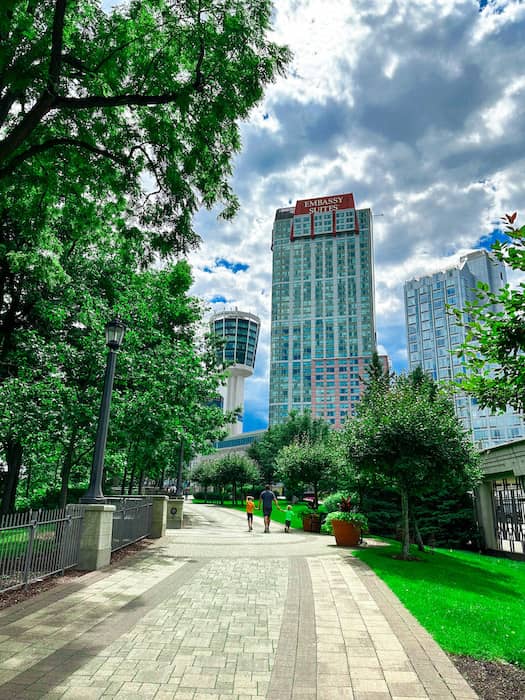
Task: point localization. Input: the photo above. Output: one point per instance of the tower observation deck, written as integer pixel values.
(240, 330)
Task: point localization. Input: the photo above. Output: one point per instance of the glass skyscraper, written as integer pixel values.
(433, 335)
(323, 322)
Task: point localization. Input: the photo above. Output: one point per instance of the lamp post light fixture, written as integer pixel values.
(115, 330)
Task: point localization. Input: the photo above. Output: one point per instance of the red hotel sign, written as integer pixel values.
(324, 204)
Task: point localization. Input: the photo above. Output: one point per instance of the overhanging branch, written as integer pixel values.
(129, 100)
(53, 143)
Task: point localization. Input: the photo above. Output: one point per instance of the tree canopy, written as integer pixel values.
(138, 106)
(234, 470)
(298, 427)
(494, 347)
(408, 437)
(115, 126)
(166, 381)
(304, 464)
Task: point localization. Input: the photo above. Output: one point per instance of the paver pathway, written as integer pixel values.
(213, 612)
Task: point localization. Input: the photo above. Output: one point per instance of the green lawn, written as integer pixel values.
(14, 542)
(470, 603)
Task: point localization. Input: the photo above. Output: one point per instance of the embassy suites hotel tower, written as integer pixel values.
(323, 322)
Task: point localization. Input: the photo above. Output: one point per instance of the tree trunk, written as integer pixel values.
(124, 479)
(405, 551)
(13, 455)
(419, 539)
(316, 497)
(55, 475)
(141, 481)
(66, 469)
(28, 480)
(131, 480)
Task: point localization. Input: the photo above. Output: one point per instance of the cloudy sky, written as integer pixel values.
(415, 106)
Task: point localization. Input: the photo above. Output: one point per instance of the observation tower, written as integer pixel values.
(240, 330)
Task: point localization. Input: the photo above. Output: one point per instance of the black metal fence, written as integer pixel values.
(131, 520)
(37, 544)
(508, 498)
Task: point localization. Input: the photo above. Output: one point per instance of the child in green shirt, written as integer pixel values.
(288, 518)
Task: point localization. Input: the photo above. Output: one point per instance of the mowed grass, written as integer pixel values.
(470, 603)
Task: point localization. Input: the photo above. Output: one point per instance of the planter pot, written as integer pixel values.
(312, 523)
(346, 534)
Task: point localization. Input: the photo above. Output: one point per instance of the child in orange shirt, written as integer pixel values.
(250, 507)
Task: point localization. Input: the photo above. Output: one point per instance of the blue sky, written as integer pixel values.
(415, 106)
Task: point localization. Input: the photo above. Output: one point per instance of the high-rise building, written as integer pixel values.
(433, 335)
(240, 331)
(323, 323)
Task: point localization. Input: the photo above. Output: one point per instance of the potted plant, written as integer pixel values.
(347, 524)
(311, 520)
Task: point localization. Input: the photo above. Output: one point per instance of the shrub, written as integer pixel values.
(331, 502)
(358, 519)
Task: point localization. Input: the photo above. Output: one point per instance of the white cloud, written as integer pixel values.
(416, 107)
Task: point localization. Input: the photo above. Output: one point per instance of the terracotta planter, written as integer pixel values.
(312, 523)
(346, 534)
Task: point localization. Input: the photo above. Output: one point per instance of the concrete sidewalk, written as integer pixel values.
(214, 612)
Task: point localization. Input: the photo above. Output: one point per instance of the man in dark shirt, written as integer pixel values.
(267, 498)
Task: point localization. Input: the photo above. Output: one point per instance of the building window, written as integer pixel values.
(301, 225)
(323, 223)
(345, 220)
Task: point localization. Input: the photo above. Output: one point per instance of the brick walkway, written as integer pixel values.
(213, 612)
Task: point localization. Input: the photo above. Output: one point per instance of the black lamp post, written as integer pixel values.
(178, 490)
(114, 335)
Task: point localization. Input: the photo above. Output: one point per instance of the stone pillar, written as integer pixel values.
(95, 539)
(486, 515)
(175, 508)
(158, 516)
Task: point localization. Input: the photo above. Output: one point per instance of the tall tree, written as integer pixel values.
(145, 98)
(494, 347)
(165, 384)
(298, 427)
(377, 376)
(308, 464)
(113, 125)
(409, 438)
(236, 471)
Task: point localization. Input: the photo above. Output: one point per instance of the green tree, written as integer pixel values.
(236, 470)
(167, 377)
(151, 88)
(114, 128)
(298, 427)
(494, 349)
(204, 473)
(233, 470)
(377, 376)
(306, 463)
(409, 438)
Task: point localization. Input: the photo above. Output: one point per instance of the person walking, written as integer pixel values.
(267, 498)
(288, 518)
(250, 507)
